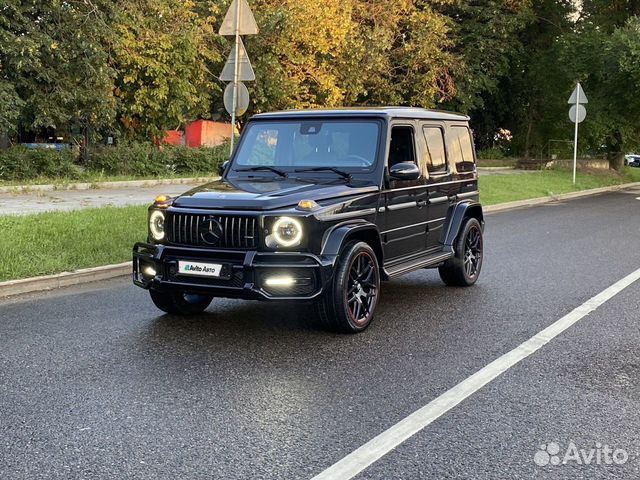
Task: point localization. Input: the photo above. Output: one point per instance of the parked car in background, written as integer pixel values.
(632, 160)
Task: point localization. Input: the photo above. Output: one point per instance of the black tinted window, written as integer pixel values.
(436, 156)
(461, 148)
(401, 148)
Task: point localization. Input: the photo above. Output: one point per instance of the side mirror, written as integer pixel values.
(222, 167)
(404, 171)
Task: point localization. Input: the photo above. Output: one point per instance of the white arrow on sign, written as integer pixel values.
(245, 70)
(247, 24)
(575, 98)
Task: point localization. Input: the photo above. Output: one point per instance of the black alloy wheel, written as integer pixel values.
(362, 288)
(473, 251)
(348, 305)
(464, 268)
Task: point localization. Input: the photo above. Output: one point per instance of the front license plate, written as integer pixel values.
(199, 269)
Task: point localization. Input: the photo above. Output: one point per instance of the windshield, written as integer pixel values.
(309, 143)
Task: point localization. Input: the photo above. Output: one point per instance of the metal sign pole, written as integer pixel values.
(235, 78)
(575, 139)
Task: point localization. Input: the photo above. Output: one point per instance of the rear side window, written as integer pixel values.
(436, 156)
(461, 148)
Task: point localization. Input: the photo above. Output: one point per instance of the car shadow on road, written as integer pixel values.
(230, 320)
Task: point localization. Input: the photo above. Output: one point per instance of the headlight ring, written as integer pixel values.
(285, 232)
(156, 224)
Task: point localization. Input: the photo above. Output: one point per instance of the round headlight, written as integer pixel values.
(156, 224)
(287, 231)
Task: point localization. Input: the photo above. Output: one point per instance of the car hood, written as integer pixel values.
(254, 194)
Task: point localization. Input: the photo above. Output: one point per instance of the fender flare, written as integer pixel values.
(455, 217)
(336, 237)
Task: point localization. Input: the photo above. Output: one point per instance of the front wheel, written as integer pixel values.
(464, 268)
(349, 303)
(180, 303)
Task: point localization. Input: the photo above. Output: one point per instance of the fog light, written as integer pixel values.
(279, 281)
(150, 272)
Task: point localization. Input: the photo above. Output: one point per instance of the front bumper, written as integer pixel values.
(243, 275)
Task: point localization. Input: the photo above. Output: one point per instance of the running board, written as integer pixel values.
(426, 261)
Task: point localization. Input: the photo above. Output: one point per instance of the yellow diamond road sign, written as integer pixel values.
(247, 24)
(245, 70)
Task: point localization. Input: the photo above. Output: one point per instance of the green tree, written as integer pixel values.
(54, 64)
(339, 52)
(538, 85)
(608, 64)
(162, 53)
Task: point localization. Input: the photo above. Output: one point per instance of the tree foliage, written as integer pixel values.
(146, 66)
(162, 50)
(54, 66)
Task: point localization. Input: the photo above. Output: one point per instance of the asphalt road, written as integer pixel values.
(95, 383)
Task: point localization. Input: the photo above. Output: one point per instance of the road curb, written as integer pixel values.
(99, 185)
(66, 279)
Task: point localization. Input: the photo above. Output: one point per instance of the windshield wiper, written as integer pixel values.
(259, 168)
(342, 173)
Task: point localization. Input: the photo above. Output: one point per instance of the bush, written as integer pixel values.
(19, 163)
(145, 159)
(491, 154)
(127, 159)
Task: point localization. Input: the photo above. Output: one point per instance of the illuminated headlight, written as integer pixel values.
(285, 232)
(156, 224)
(150, 272)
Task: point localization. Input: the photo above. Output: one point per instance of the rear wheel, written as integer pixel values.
(349, 304)
(464, 268)
(180, 303)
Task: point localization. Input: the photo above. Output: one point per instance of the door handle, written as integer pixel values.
(421, 203)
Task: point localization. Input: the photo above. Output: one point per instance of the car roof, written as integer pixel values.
(385, 112)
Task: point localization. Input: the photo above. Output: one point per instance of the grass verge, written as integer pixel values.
(56, 242)
(522, 186)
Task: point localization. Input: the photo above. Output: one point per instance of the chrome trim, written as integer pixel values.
(439, 200)
(429, 185)
(420, 264)
(402, 206)
(338, 216)
(467, 195)
(413, 225)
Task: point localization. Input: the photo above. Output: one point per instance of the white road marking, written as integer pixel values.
(379, 446)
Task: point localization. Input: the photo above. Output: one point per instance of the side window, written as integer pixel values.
(436, 156)
(402, 147)
(462, 149)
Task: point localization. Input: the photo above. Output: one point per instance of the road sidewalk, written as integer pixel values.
(25, 200)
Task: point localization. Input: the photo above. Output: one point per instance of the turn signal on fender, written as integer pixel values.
(163, 200)
(307, 204)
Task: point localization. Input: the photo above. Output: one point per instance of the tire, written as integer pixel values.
(348, 305)
(464, 268)
(180, 303)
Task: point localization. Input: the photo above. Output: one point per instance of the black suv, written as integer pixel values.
(321, 205)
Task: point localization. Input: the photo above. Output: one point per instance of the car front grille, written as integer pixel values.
(215, 231)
